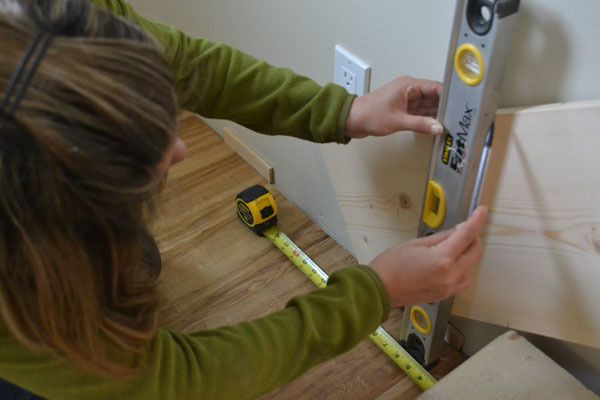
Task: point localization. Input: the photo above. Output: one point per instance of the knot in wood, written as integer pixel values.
(404, 201)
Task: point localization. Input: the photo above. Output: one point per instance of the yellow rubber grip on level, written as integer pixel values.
(434, 213)
(420, 320)
(469, 64)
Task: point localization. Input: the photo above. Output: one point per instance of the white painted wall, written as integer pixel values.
(556, 58)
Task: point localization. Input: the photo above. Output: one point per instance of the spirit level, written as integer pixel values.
(478, 50)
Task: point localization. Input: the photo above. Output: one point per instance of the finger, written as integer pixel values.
(416, 101)
(429, 101)
(464, 233)
(426, 111)
(422, 124)
(470, 257)
(429, 88)
(434, 239)
(413, 94)
(430, 97)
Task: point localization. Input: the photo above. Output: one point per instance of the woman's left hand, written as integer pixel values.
(403, 104)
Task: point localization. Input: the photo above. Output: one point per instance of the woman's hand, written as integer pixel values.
(433, 268)
(403, 104)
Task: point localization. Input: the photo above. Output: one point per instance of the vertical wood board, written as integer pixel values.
(541, 270)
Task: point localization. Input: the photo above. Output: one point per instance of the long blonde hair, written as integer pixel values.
(77, 178)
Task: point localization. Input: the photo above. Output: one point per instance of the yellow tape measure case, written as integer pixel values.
(257, 208)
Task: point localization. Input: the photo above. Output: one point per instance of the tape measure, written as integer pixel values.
(258, 210)
(477, 55)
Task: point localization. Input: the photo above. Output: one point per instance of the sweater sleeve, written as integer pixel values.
(218, 81)
(236, 363)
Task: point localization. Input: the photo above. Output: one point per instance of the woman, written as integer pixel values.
(87, 134)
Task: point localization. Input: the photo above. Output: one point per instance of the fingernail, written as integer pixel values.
(436, 129)
(458, 226)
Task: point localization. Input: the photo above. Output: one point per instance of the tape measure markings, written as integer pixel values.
(297, 256)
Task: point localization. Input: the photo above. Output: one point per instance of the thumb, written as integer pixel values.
(421, 124)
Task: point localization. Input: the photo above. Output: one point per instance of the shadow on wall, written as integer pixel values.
(539, 60)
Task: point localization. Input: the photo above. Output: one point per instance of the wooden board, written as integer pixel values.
(509, 368)
(249, 155)
(217, 272)
(541, 271)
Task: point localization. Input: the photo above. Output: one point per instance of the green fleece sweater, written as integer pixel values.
(253, 358)
(217, 81)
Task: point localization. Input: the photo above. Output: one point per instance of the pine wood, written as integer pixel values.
(541, 271)
(216, 272)
(509, 368)
(249, 155)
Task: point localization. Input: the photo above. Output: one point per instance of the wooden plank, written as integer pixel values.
(509, 368)
(249, 155)
(217, 272)
(541, 271)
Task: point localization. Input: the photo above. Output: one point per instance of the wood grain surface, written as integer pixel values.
(541, 271)
(509, 368)
(216, 272)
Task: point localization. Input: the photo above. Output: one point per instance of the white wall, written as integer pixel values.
(556, 58)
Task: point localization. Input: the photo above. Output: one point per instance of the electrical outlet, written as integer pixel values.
(351, 72)
(348, 80)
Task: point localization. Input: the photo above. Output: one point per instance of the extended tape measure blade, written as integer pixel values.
(402, 359)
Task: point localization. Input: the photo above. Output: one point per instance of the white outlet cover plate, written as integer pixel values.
(345, 61)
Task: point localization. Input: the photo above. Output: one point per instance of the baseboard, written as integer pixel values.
(249, 155)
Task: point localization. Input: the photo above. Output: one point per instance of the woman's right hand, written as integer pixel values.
(432, 268)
